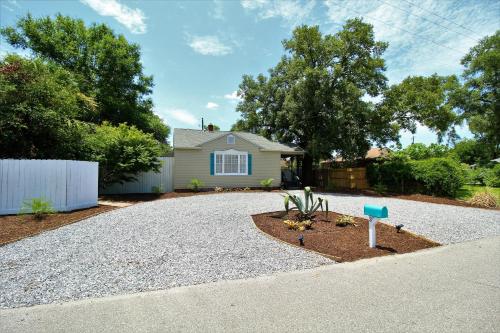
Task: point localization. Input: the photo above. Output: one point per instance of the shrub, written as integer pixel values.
(196, 184)
(157, 189)
(476, 176)
(484, 199)
(267, 183)
(492, 176)
(345, 220)
(439, 176)
(38, 207)
(298, 225)
(394, 172)
(306, 207)
(380, 188)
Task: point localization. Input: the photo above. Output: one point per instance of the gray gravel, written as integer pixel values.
(191, 240)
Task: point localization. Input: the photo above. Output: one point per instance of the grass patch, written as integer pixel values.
(467, 191)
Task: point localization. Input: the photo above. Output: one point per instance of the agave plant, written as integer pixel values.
(306, 207)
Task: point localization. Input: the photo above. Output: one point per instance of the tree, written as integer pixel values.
(480, 101)
(122, 152)
(41, 111)
(426, 100)
(216, 128)
(106, 67)
(471, 151)
(313, 96)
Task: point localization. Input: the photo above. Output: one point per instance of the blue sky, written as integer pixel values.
(197, 51)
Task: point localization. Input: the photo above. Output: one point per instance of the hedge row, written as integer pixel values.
(435, 176)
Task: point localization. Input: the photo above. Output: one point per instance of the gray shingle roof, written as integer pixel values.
(189, 138)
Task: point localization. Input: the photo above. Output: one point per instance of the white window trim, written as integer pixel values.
(230, 152)
(231, 136)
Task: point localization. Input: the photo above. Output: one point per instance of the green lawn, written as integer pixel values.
(468, 191)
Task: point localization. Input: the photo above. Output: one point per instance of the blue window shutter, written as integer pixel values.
(212, 164)
(249, 164)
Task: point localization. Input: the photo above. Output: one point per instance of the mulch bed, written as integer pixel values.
(16, 227)
(142, 197)
(413, 197)
(347, 243)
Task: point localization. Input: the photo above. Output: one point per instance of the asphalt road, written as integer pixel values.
(454, 288)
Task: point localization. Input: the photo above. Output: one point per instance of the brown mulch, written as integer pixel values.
(142, 197)
(347, 243)
(413, 197)
(16, 227)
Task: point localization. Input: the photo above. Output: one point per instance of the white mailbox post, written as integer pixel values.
(374, 213)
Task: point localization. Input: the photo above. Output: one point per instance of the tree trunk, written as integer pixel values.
(307, 170)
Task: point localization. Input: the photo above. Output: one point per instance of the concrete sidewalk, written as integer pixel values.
(448, 289)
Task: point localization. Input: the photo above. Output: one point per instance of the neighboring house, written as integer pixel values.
(227, 159)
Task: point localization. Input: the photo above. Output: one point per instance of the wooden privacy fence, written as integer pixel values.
(351, 178)
(146, 180)
(66, 184)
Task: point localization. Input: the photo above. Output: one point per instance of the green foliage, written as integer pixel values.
(38, 207)
(472, 151)
(106, 67)
(479, 98)
(306, 207)
(476, 176)
(492, 177)
(345, 220)
(267, 183)
(157, 189)
(425, 100)
(196, 184)
(41, 107)
(419, 151)
(380, 188)
(122, 152)
(439, 176)
(394, 172)
(313, 96)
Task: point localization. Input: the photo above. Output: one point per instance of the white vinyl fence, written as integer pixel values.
(146, 180)
(68, 185)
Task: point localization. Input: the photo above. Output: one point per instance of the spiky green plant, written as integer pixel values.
(306, 207)
(38, 207)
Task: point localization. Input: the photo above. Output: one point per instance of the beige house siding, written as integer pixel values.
(195, 163)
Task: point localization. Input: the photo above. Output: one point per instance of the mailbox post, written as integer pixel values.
(374, 213)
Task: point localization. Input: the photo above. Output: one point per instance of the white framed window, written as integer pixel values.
(231, 163)
(230, 139)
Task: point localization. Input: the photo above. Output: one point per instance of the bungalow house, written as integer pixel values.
(227, 159)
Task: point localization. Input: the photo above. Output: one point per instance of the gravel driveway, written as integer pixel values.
(183, 241)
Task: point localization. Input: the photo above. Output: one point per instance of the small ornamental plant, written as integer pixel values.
(196, 184)
(267, 183)
(38, 207)
(306, 207)
(345, 220)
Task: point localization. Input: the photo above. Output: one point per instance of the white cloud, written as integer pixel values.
(183, 116)
(209, 45)
(233, 96)
(292, 11)
(133, 19)
(217, 11)
(413, 33)
(212, 106)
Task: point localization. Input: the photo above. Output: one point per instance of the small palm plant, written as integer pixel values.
(38, 207)
(196, 184)
(306, 207)
(267, 183)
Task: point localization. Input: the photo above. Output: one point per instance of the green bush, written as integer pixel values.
(492, 176)
(394, 172)
(267, 183)
(476, 176)
(438, 176)
(38, 207)
(196, 184)
(157, 189)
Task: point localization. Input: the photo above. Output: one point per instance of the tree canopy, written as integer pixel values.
(106, 67)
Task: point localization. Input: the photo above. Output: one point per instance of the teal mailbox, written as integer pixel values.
(380, 212)
(375, 213)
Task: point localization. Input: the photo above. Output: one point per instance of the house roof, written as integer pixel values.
(192, 139)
